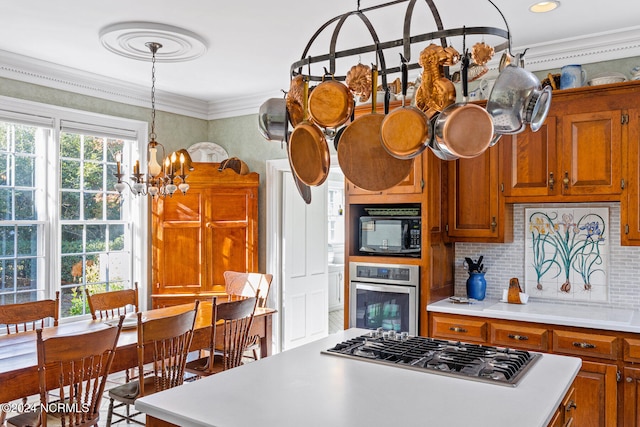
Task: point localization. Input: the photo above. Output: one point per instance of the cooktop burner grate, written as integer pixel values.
(496, 365)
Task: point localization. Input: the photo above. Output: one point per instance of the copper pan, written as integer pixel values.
(308, 150)
(362, 158)
(330, 103)
(406, 131)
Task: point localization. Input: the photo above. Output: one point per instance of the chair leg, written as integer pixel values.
(110, 413)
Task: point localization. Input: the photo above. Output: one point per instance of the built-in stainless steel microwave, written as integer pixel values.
(390, 235)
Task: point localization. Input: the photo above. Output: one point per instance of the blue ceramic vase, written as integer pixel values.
(476, 286)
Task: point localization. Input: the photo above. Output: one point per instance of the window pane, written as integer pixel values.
(69, 205)
(71, 269)
(28, 240)
(7, 241)
(70, 174)
(92, 269)
(114, 207)
(4, 169)
(4, 141)
(114, 146)
(25, 169)
(25, 204)
(96, 238)
(93, 148)
(70, 145)
(25, 139)
(73, 301)
(119, 266)
(6, 205)
(93, 205)
(26, 296)
(71, 239)
(116, 237)
(6, 275)
(93, 176)
(111, 177)
(27, 270)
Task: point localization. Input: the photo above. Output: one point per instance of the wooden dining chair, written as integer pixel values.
(107, 305)
(235, 318)
(238, 283)
(28, 316)
(76, 366)
(168, 340)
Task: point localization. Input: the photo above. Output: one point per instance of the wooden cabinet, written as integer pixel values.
(564, 416)
(412, 184)
(476, 209)
(630, 203)
(210, 229)
(529, 160)
(631, 396)
(596, 385)
(596, 395)
(577, 154)
(336, 287)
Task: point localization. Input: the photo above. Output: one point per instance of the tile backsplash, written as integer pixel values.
(506, 260)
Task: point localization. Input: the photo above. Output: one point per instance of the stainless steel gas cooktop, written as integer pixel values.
(496, 365)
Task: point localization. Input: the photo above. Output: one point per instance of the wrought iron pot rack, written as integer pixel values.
(379, 47)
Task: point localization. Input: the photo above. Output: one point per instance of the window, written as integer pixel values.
(64, 227)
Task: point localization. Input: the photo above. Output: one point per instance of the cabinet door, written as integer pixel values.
(231, 233)
(177, 243)
(412, 184)
(631, 402)
(530, 162)
(596, 395)
(630, 202)
(474, 210)
(592, 151)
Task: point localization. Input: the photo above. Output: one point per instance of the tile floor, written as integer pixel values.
(336, 321)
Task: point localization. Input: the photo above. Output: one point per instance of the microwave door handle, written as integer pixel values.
(405, 236)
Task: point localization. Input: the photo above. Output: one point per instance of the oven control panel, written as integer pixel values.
(393, 273)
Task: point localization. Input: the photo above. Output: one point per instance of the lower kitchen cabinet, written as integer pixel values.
(596, 395)
(595, 388)
(565, 415)
(631, 396)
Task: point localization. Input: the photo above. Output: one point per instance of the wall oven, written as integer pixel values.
(384, 296)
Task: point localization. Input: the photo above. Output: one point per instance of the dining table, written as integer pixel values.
(19, 360)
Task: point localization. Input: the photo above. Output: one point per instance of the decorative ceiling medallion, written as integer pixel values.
(128, 39)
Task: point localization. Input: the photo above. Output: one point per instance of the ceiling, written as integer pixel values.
(251, 45)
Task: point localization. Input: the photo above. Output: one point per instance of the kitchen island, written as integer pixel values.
(304, 387)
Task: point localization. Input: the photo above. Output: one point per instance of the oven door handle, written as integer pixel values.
(399, 289)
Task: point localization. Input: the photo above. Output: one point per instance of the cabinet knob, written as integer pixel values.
(458, 329)
(551, 181)
(629, 379)
(565, 180)
(571, 405)
(494, 224)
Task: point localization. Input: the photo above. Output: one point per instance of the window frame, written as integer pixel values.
(40, 114)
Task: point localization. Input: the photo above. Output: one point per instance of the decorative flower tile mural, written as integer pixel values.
(567, 253)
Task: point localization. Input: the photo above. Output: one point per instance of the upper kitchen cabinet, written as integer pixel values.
(210, 229)
(577, 155)
(412, 184)
(476, 209)
(629, 205)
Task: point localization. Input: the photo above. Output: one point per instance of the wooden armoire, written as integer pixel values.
(210, 229)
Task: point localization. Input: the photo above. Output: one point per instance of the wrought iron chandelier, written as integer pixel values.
(164, 178)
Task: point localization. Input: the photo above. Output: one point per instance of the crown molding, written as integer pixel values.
(606, 46)
(30, 70)
(598, 47)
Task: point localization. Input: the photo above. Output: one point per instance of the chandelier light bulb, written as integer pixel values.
(183, 187)
(120, 186)
(154, 166)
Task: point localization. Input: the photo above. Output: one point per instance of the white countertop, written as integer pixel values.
(304, 387)
(613, 319)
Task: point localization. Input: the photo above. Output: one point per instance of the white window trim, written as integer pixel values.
(14, 109)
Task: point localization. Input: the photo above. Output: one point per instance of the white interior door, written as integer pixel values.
(305, 271)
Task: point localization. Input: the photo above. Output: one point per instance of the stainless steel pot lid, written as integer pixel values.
(272, 119)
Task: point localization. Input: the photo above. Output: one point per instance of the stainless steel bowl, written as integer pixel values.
(517, 99)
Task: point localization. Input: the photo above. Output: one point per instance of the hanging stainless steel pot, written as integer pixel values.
(272, 119)
(517, 99)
